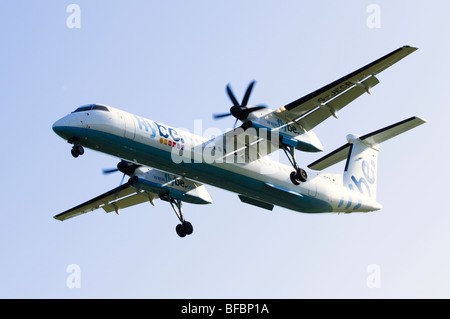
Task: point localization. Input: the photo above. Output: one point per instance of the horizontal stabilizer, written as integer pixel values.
(369, 140)
(391, 131)
(332, 158)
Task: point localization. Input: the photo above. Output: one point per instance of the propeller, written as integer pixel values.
(127, 168)
(240, 111)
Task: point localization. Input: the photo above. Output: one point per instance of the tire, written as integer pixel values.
(181, 230)
(74, 152)
(302, 176)
(188, 227)
(293, 177)
(80, 150)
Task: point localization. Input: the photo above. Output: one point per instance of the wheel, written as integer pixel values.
(75, 152)
(80, 149)
(301, 175)
(293, 177)
(181, 230)
(188, 227)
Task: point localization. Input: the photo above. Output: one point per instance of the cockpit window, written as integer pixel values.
(89, 107)
(100, 107)
(83, 108)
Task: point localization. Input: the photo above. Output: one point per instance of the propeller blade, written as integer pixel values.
(246, 112)
(218, 116)
(256, 108)
(109, 171)
(118, 189)
(231, 95)
(121, 181)
(247, 94)
(235, 122)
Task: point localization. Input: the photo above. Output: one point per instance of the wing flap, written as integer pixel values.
(324, 111)
(130, 201)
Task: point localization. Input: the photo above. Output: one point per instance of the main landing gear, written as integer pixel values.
(185, 228)
(299, 175)
(77, 149)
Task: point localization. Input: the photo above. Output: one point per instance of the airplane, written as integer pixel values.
(171, 164)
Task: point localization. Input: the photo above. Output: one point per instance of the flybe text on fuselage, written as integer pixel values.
(168, 136)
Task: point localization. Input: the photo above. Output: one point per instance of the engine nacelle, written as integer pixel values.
(290, 134)
(169, 186)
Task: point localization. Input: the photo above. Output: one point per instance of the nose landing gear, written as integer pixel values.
(77, 149)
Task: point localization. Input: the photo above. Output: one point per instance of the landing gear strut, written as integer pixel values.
(299, 175)
(185, 228)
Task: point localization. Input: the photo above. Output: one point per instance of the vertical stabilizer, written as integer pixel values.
(360, 172)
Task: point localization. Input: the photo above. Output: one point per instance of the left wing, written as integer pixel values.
(294, 121)
(113, 200)
(312, 109)
(239, 146)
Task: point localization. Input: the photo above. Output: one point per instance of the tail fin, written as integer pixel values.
(362, 153)
(361, 168)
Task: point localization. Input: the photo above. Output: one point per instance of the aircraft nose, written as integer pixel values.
(61, 127)
(58, 125)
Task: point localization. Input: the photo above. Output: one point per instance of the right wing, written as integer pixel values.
(113, 200)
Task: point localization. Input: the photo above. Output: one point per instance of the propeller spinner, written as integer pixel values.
(240, 111)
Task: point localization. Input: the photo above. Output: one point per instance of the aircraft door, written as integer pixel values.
(130, 127)
(312, 187)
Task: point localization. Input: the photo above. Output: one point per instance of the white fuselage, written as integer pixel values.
(149, 143)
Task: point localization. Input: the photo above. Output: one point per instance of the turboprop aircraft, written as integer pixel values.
(173, 165)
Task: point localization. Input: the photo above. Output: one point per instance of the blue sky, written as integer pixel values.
(170, 61)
